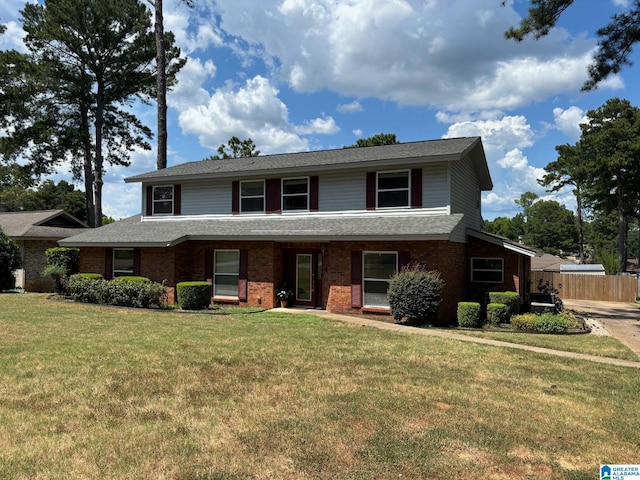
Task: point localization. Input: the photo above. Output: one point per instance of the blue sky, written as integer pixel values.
(298, 75)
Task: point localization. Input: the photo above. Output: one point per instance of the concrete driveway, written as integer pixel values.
(621, 320)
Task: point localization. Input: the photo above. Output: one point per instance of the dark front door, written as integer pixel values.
(307, 278)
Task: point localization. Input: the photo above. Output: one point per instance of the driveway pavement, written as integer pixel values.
(621, 320)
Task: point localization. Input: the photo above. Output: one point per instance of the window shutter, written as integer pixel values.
(356, 278)
(177, 199)
(208, 266)
(404, 258)
(235, 197)
(242, 277)
(136, 261)
(149, 205)
(274, 188)
(416, 188)
(108, 263)
(371, 190)
(313, 193)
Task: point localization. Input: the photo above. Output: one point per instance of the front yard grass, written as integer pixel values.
(93, 392)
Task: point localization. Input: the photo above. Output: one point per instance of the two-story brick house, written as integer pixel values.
(332, 224)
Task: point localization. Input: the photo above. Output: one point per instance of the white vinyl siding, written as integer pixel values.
(342, 191)
(465, 191)
(206, 198)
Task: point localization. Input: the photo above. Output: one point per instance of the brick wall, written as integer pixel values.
(34, 263)
(446, 257)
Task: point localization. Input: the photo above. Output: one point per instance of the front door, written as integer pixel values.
(308, 282)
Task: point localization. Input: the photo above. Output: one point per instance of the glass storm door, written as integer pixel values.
(304, 294)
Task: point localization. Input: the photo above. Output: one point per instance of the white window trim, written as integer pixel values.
(215, 274)
(153, 200)
(121, 273)
(283, 195)
(365, 279)
(263, 196)
(408, 189)
(487, 269)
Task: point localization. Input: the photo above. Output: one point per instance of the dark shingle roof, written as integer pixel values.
(161, 233)
(50, 224)
(317, 160)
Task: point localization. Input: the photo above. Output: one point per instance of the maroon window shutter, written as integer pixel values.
(274, 188)
(356, 278)
(416, 188)
(314, 192)
(177, 199)
(235, 197)
(404, 258)
(242, 277)
(136, 261)
(208, 265)
(149, 209)
(371, 190)
(108, 263)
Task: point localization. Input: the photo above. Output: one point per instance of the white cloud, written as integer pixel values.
(357, 132)
(568, 121)
(409, 51)
(249, 111)
(189, 92)
(352, 107)
(498, 134)
(514, 160)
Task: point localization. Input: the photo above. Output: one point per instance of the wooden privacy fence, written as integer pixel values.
(610, 288)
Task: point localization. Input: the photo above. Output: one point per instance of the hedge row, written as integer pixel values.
(124, 293)
(544, 323)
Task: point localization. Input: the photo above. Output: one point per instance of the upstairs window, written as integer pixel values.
(252, 196)
(393, 189)
(163, 200)
(122, 262)
(487, 270)
(295, 194)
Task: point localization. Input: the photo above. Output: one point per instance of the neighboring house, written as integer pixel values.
(35, 232)
(333, 224)
(545, 262)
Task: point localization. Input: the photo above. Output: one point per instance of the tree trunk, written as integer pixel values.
(87, 164)
(161, 84)
(581, 259)
(98, 167)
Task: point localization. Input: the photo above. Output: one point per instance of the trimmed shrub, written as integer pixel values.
(498, 313)
(61, 263)
(469, 315)
(93, 276)
(545, 323)
(120, 293)
(131, 278)
(194, 295)
(511, 299)
(415, 294)
(9, 261)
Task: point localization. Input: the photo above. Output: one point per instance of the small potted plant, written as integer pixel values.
(284, 294)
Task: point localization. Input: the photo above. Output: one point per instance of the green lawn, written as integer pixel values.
(92, 392)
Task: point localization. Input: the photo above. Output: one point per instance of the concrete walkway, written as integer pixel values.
(455, 336)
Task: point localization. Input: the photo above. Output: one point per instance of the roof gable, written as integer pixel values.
(54, 224)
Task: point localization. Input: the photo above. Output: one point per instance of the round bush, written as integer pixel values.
(469, 315)
(415, 294)
(498, 313)
(194, 295)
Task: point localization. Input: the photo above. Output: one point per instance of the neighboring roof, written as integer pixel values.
(148, 232)
(40, 224)
(502, 242)
(584, 268)
(545, 262)
(430, 150)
